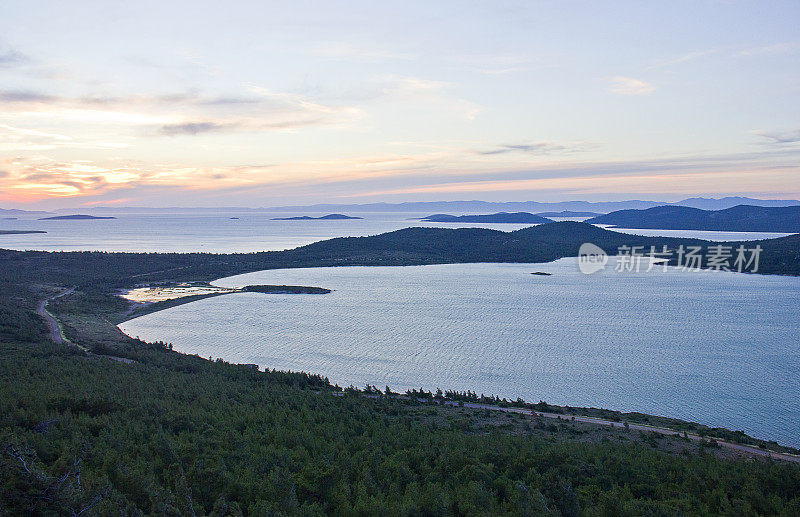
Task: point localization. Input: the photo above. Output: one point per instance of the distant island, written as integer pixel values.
(500, 217)
(18, 232)
(329, 217)
(10, 218)
(742, 218)
(535, 207)
(541, 273)
(568, 213)
(78, 217)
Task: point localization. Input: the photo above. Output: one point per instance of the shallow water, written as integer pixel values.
(718, 348)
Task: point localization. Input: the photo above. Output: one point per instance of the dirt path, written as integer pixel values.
(52, 324)
(57, 336)
(747, 449)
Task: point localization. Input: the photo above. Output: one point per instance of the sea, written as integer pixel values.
(240, 232)
(718, 348)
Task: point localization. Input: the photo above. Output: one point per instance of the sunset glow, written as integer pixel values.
(261, 104)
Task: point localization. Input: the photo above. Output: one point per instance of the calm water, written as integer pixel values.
(719, 348)
(253, 231)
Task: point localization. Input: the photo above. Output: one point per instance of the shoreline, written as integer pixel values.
(683, 425)
(91, 315)
(634, 420)
(573, 414)
(141, 306)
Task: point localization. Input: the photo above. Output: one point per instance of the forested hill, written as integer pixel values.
(542, 243)
(742, 218)
(500, 217)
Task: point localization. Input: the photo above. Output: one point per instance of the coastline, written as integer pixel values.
(631, 418)
(668, 426)
(141, 305)
(98, 275)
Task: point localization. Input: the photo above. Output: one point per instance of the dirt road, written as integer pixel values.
(52, 324)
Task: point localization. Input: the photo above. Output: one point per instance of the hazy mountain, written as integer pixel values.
(476, 207)
(741, 218)
(432, 207)
(76, 217)
(568, 213)
(473, 207)
(730, 202)
(500, 217)
(15, 212)
(329, 217)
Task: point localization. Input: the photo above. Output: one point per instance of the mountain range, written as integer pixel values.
(432, 207)
(466, 207)
(500, 217)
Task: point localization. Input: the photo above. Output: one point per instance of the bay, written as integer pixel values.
(715, 347)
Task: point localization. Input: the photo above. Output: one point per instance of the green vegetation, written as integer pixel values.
(284, 289)
(500, 217)
(183, 435)
(741, 218)
(329, 217)
(178, 434)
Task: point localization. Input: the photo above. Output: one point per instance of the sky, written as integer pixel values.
(274, 103)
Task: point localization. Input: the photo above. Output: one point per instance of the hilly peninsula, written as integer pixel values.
(568, 213)
(500, 217)
(329, 217)
(741, 218)
(76, 217)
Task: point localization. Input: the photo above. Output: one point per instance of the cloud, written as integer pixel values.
(193, 128)
(33, 132)
(775, 48)
(229, 101)
(3, 173)
(502, 64)
(420, 91)
(182, 113)
(685, 58)
(24, 139)
(682, 176)
(25, 96)
(629, 86)
(442, 171)
(343, 50)
(535, 148)
(11, 58)
(788, 137)
(729, 52)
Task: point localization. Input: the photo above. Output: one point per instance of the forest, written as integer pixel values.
(199, 437)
